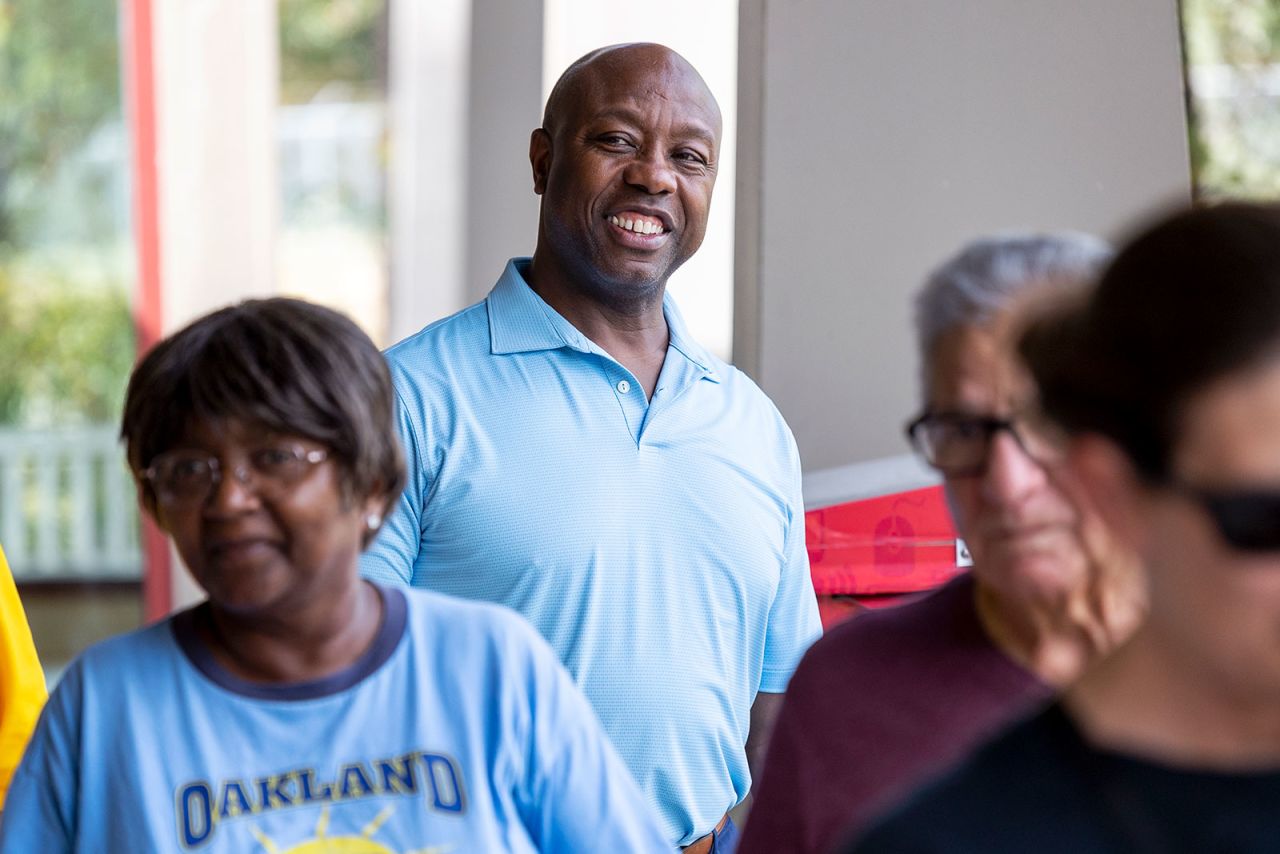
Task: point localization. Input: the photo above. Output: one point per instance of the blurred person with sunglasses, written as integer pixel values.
(893, 696)
(1167, 381)
(301, 707)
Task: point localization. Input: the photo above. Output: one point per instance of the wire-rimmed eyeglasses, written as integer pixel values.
(186, 478)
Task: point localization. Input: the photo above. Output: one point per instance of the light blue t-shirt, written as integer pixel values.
(458, 731)
(658, 545)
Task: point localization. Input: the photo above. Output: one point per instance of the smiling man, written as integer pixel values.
(576, 455)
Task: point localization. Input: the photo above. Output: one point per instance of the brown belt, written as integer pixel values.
(703, 844)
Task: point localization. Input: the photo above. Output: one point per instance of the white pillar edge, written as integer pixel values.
(429, 55)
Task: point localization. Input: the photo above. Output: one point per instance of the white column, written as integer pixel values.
(217, 79)
(427, 189)
(217, 71)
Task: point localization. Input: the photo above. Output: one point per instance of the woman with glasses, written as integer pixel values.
(300, 708)
(1168, 381)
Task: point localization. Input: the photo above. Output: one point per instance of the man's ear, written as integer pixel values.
(540, 158)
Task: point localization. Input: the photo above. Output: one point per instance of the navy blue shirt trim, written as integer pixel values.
(390, 630)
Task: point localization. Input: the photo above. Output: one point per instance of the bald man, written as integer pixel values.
(575, 455)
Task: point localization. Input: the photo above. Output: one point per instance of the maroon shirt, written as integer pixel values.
(876, 707)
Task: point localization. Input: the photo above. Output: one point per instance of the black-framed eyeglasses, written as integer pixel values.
(1248, 519)
(957, 443)
(187, 478)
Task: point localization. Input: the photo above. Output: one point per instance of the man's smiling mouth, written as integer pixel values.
(638, 223)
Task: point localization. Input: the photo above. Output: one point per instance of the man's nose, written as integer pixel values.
(651, 171)
(1011, 474)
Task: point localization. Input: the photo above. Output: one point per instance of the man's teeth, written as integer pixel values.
(639, 226)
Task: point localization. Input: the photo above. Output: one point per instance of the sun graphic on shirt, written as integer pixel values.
(322, 843)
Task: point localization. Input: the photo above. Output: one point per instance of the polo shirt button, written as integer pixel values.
(624, 386)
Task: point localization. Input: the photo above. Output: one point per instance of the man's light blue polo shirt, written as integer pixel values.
(658, 545)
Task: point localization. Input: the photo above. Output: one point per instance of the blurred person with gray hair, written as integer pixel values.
(892, 697)
(1165, 386)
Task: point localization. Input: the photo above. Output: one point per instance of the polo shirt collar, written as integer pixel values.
(682, 341)
(520, 321)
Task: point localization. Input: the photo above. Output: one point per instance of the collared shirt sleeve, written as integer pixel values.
(793, 618)
(22, 689)
(392, 556)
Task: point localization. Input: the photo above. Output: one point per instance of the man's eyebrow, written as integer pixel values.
(689, 129)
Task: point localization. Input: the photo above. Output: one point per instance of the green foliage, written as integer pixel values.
(327, 41)
(66, 351)
(59, 79)
(66, 334)
(1236, 32)
(1232, 50)
(12, 355)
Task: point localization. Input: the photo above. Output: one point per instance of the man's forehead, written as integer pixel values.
(632, 76)
(634, 107)
(977, 369)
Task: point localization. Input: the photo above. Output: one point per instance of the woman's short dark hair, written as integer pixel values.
(284, 364)
(1191, 299)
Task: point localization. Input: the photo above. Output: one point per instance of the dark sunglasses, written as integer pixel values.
(1247, 519)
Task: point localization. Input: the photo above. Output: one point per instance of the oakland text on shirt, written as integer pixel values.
(203, 805)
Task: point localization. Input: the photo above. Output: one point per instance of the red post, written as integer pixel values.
(140, 106)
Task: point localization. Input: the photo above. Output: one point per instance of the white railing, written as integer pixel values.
(67, 505)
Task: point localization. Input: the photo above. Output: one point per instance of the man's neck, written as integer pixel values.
(636, 335)
(1150, 700)
(1060, 637)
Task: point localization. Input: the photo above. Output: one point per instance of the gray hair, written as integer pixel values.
(983, 279)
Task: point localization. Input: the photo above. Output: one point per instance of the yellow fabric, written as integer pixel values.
(22, 688)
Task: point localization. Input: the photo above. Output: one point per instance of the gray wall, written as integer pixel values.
(506, 105)
(877, 136)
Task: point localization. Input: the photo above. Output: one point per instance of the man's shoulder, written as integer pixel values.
(740, 383)
(868, 640)
(912, 652)
(446, 361)
(910, 624)
(754, 413)
(476, 332)
(728, 378)
(458, 334)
